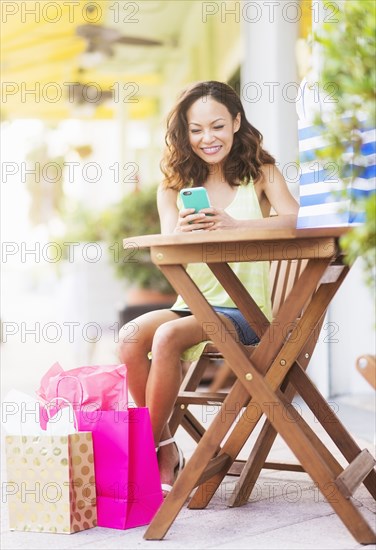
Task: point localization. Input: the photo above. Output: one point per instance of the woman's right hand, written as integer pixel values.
(189, 221)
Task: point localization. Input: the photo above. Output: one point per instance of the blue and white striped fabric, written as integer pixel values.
(324, 201)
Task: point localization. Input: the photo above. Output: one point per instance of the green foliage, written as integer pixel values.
(348, 51)
(349, 56)
(361, 241)
(136, 214)
(82, 225)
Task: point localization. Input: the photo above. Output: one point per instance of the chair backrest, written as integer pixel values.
(283, 276)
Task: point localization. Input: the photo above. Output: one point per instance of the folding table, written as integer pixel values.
(269, 376)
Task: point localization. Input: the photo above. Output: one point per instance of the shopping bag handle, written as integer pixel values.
(78, 382)
(55, 399)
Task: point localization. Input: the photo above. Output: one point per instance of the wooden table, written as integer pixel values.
(270, 375)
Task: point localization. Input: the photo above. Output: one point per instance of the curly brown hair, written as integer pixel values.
(182, 167)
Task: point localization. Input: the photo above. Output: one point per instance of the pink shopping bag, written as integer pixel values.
(126, 469)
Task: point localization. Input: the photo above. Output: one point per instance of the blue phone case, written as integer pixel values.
(195, 197)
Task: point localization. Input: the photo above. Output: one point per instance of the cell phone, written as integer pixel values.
(195, 197)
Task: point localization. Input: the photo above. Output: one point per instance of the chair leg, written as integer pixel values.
(366, 365)
(253, 466)
(190, 382)
(223, 378)
(192, 426)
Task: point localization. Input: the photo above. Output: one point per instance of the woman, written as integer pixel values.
(210, 143)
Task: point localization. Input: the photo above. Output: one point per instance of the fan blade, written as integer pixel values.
(90, 32)
(133, 41)
(98, 33)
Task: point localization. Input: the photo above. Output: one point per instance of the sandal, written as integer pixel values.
(166, 487)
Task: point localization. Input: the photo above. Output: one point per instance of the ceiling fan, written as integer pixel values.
(102, 39)
(100, 47)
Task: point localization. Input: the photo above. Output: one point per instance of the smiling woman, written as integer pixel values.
(210, 144)
(209, 120)
(213, 137)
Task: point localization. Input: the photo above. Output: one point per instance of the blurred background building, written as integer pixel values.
(86, 87)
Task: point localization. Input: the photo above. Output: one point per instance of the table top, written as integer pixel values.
(234, 235)
(240, 245)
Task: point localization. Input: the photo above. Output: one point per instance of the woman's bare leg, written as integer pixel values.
(156, 384)
(170, 341)
(136, 339)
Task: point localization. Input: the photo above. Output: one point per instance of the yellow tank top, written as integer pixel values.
(254, 275)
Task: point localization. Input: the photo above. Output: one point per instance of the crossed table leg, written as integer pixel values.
(269, 378)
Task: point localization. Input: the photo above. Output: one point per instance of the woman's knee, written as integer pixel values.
(167, 340)
(136, 336)
(132, 341)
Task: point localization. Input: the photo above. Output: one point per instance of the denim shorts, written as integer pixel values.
(244, 331)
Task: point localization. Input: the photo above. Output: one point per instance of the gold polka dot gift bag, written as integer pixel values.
(51, 482)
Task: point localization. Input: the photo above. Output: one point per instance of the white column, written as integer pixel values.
(269, 90)
(269, 83)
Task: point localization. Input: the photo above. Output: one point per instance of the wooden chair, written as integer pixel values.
(366, 366)
(283, 275)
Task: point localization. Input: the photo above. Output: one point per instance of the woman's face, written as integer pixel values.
(211, 129)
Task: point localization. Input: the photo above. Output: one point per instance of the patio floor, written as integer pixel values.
(285, 510)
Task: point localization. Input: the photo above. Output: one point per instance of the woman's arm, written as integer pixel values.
(271, 185)
(167, 209)
(275, 189)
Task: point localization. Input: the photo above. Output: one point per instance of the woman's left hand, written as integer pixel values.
(220, 219)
